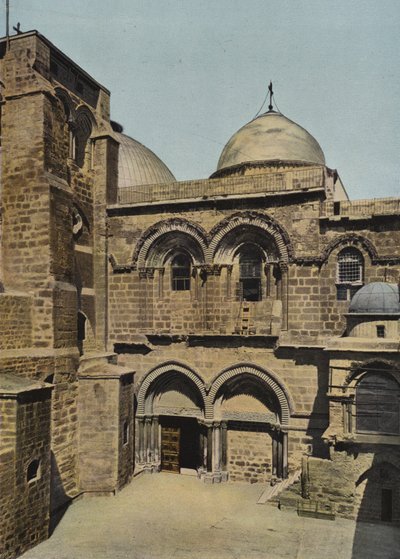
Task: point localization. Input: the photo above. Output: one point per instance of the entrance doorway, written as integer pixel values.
(180, 444)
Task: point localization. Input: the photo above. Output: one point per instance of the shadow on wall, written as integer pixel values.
(59, 501)
(319, 419)
(378, 497)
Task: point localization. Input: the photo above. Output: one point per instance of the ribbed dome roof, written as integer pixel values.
(138, 165)
(271, 136)
(376, 298)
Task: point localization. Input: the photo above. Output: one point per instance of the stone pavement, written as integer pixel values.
(168, 516)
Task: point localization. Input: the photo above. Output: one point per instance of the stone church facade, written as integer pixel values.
(241, 328)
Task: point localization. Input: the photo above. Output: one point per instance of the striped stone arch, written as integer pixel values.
(67, 102)
(154, 374)
(391, 368)
(347, 241)
(267, 378)
(154, 233)
(252, 219)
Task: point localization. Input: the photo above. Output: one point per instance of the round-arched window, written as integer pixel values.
(377, 404)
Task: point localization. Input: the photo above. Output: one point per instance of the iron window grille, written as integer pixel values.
(349, 273)
(378, 405)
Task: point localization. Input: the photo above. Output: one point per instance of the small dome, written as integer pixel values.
(376, 298)
(271, 137)
(138, 165)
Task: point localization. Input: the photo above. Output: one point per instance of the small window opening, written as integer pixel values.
(250, 266)
(180, 268)
(81, 330)
(380, 331)
(33, 471)
(125, 432)
(81, 326)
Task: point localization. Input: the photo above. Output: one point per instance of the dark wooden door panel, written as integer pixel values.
(170, 448)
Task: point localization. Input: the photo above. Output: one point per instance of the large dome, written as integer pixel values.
(271, 137)
(138, 165)
(376, 298)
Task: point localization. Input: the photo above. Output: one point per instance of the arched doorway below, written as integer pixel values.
(170, 432)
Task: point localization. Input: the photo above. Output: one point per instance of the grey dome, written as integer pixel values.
(269, 137)
(138, 165)
(376, 298)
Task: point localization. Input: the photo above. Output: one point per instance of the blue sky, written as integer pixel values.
(186, 74)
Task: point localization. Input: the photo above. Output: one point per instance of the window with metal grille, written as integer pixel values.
(180, 271)
(349, 266)
(349, 273)
(250, 266)
(377, 404)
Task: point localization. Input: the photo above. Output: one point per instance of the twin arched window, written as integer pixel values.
(349, 273)
(378, 404)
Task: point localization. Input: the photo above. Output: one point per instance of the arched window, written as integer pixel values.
(79, 141)
(250, 267)
(180, 272)
(349, 273)
(377, 404)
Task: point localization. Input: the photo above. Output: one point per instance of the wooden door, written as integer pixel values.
(386, 505)
(170, 448)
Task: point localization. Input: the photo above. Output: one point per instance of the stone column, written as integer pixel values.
(160, 283)
(274, 454)
(284, 455)
(208, 436)
(284, 294)
(140, 421)
(156, 443)
(147, 440)
(202, 448)
(224, 451)
(209, 447)
(217, 448)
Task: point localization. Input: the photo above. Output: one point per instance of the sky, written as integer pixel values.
(185, 75)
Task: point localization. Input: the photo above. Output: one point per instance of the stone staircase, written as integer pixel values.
(271, 492)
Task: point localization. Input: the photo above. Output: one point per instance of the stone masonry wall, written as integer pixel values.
(249, 456)
(126, 430)
(98, 434)
(312, 306)
(25, 436)
(348, 481)
(303, 373)
(16, 321)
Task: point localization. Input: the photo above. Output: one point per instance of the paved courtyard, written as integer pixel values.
(168, 516)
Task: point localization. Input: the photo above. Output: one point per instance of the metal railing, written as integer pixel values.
(268, 183)
(361, 208)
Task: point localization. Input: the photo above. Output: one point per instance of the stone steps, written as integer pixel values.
(272, 491)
